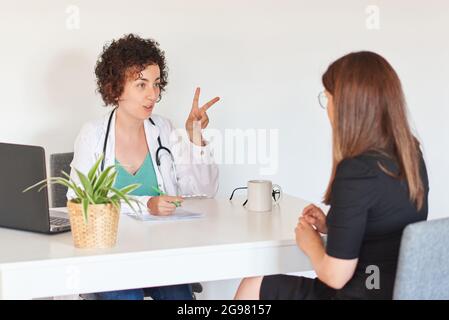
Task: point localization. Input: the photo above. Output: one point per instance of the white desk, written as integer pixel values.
(229, 242)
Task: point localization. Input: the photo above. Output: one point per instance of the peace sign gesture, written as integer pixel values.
(198, 119)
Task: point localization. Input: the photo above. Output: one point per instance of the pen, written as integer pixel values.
(162, 193)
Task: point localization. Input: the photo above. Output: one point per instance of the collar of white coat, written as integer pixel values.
(152, 132)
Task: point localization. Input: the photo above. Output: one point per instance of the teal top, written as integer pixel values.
(145, 176)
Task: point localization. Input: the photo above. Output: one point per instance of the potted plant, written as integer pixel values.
(94, 213)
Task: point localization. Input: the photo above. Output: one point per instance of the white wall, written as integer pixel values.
(264, 58)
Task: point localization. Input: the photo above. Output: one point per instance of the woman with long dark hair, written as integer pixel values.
(377, 187)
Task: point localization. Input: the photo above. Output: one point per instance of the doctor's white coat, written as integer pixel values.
(195, 168)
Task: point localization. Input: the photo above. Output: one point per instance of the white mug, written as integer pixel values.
(260, 195)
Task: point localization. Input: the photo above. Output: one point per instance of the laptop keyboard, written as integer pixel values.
(55, 221)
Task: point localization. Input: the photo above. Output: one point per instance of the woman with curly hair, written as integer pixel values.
(131, 76)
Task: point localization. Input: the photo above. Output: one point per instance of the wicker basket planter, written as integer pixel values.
(101, 228)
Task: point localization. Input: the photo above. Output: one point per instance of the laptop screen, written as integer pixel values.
(20, 167)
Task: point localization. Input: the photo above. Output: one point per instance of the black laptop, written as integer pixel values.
(20, 167)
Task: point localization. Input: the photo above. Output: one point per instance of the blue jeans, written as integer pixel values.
(175, 292)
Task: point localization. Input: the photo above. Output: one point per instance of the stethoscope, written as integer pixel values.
(158, 151)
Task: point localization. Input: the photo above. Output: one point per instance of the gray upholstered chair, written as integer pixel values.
(423, 266)
(61, 162)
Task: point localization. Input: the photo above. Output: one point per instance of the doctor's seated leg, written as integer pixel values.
(174, 292)
(131, 294)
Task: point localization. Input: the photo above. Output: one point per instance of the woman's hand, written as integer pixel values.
(162, 205)
(198, 119)
(307, 238)
(316, 217)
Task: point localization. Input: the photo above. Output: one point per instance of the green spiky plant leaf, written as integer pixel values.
(95, 188)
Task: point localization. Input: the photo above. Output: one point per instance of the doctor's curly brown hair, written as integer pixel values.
(123, 58)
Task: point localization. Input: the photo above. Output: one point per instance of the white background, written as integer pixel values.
(263, 58)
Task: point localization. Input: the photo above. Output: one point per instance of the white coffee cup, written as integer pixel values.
(260, 195)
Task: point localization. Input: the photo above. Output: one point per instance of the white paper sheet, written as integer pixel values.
(179, 214)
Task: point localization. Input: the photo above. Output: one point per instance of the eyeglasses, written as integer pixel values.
(276, 194)
(322, 99)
